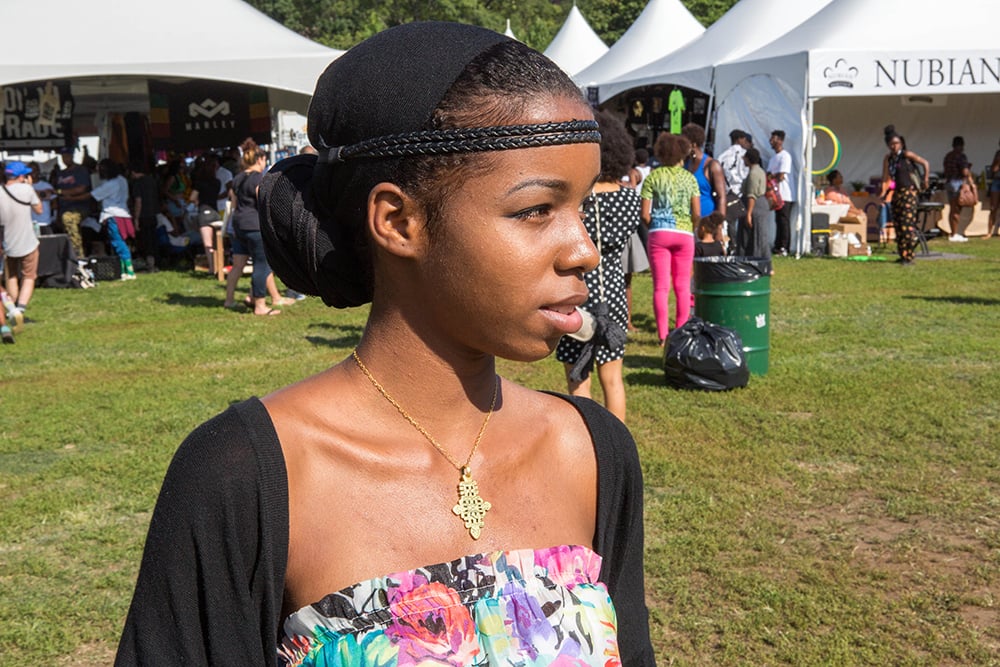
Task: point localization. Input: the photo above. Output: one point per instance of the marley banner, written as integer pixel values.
(207, 114)
(36, 115)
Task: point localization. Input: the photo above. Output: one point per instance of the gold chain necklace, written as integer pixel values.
(471, 507)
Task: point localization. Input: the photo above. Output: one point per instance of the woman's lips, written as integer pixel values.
(564, 317)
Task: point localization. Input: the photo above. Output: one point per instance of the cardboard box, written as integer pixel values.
(850, 228)
(854, 251)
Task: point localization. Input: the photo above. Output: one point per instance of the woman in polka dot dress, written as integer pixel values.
(616, 208)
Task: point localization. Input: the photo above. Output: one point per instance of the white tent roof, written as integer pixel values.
(576, 45)
(226, 40)
(662, 26)
(738, 32)
(858, 65)
(891, 51)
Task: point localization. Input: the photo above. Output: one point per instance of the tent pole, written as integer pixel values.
(805, 220)
(710, 118)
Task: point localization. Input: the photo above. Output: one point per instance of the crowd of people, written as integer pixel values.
(496, 162)
(140, 214)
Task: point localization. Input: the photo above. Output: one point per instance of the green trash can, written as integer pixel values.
(736, 293)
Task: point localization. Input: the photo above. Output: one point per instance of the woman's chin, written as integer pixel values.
(530, 353)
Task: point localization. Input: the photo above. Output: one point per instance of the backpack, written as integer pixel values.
(773, 194)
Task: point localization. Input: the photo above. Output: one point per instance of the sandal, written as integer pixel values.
(270, 311)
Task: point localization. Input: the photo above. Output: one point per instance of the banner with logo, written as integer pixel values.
(36, 115)
(833, 74)
(207, 114)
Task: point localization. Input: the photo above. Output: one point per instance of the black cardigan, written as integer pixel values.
(211, 581)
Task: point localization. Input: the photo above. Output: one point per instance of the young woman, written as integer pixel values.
(900, 182)
(612, 218)
(407, 505)
(671, 208)
(710, 239)
(707, 172)
(203, 196)
(994, 227)
(247, 240)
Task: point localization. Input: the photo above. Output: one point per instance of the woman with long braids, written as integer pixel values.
(408, 505)
(900, 186)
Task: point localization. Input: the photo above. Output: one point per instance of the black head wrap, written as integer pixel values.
(377, 100)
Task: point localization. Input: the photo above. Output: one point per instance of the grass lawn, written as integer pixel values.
(843, 509)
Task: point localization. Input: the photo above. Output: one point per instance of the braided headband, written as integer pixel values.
(466, 140)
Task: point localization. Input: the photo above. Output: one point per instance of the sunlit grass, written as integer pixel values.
(843, 509)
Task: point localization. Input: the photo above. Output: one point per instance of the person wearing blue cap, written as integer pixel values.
(20, 244)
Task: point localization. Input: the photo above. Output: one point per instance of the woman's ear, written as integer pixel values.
(395, 220)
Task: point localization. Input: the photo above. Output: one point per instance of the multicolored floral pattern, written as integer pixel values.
(524, 607)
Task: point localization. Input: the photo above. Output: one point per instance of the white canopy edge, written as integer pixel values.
(747, 26)
(662, 26)
(576, 46)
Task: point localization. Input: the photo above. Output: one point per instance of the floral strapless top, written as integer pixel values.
(523, 607)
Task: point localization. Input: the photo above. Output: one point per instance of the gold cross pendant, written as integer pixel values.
(471, 506)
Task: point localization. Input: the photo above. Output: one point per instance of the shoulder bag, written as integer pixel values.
(968, 194)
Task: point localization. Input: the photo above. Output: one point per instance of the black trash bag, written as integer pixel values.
(607, 332)
(730, 269)
(703, 355)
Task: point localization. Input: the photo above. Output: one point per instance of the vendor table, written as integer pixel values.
(56, 260)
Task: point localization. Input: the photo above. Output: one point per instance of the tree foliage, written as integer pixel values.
(343, 23)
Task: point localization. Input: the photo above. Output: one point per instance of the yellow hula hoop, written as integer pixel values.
(835, 160)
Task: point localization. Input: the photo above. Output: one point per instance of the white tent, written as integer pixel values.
(509, 32)
(738, 32)
(110, 47)
(576, 45)
(857, 66)
(662, 26)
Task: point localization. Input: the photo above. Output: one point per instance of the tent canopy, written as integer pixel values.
(734, 35)
(576, 45)
(856, 66)
(662, 26)
(225, 40)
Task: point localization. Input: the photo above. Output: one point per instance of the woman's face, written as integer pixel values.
(504, 267)
(895, 145)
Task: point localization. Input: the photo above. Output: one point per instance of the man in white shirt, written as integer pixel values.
(735, 171)
(731, 159)
(779, 168)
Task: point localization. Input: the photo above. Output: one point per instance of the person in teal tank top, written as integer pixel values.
(707, 172)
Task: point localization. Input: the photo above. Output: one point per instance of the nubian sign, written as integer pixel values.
(834, 74)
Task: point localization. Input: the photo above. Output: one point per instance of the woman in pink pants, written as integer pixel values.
(671, 209)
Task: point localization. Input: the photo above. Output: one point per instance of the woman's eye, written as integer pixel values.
(533, 213)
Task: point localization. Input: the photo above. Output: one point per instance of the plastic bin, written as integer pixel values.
(736, 293)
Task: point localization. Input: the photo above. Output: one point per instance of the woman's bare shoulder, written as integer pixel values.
(548, 413)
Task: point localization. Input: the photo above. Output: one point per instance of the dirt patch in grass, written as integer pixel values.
(928, 556)
(91, 654)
